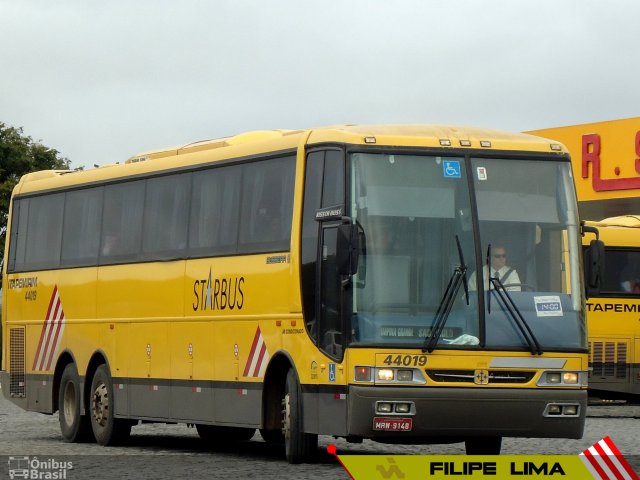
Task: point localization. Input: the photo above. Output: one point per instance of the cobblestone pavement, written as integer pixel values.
(159, 451)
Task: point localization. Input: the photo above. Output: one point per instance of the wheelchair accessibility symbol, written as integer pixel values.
(332, 372)
(451, 169)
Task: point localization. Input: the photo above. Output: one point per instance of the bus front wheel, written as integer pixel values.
(107, 429)
(73, 426)
(299, 446)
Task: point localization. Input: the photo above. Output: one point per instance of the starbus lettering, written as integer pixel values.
(218, 293)
(613, 307)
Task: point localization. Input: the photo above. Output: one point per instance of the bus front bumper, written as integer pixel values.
(464, 412)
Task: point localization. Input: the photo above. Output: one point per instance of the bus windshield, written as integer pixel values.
(428, 222)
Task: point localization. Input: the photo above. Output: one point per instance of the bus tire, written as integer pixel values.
(299, 447)
(218, 435)
(74, 426)
(483, 445)
(107, 429)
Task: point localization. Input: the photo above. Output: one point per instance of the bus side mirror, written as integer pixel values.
(594, 267)
(347, 251)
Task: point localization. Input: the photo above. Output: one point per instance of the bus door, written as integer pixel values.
(322, 292)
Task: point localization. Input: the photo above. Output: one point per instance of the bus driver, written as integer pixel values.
(508, 276)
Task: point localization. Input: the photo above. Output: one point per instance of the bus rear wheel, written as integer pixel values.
(73, 426)
(483, 445)
(107, 429)
(299, 446)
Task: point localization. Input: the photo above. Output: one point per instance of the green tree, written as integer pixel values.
(20, 154)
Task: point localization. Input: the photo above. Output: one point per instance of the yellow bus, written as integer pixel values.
(606, 163)
(304, 283)
(614, 313)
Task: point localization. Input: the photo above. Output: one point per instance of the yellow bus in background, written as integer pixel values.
(303, 283)
(606, 165)
(614, 314)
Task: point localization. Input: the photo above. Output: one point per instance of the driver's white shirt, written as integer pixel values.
(511, 282)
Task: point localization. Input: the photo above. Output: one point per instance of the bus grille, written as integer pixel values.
(469, 376)
(608, 360)
(17, 382)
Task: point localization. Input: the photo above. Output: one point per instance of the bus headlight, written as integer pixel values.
(554, 409)
(553, 377)
(388, 375)
(563, 379)
(385, 374)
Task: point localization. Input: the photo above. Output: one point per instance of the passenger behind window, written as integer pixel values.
(109, 245)
(632, 284)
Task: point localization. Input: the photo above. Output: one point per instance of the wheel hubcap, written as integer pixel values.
(100, 405)
(69, 403)
(286, 417)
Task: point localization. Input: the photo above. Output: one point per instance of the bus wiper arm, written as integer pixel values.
(488, 264)
(458, 277)
(463, 269)
(516, 316)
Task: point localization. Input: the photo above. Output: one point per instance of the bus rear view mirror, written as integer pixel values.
(347, 251)
(594, 267)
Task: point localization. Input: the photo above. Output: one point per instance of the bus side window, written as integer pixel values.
(622, 272)
(44, 232)
(267, 205)
(122, 222)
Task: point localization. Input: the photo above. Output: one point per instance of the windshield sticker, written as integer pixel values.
(548, 306)
(390, 331)
(451, 169)
(482, 173)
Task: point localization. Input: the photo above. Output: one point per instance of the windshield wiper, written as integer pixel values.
(515, 315)
(459, 277)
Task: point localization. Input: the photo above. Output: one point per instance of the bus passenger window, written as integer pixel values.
(164, 233)
(622, 273)
(122, 221)
(267, 205)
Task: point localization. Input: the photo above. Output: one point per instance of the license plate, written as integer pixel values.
(389, 424)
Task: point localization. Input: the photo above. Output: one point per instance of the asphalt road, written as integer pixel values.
(159, 451)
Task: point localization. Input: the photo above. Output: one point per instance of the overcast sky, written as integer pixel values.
(102, 80)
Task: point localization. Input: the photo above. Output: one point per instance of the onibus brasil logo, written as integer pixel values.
(37, 468)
